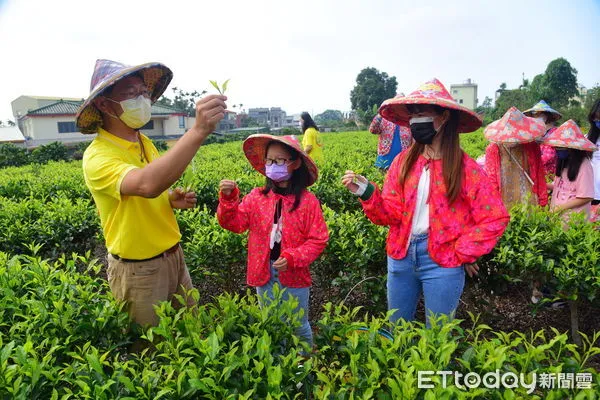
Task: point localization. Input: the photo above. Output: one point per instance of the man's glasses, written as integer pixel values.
(133, 93)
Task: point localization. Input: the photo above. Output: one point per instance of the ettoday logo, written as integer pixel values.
(507, 380)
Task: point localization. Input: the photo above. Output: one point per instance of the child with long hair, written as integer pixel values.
(442, 210)
(594, 137)
(573, 186)
(285, 221)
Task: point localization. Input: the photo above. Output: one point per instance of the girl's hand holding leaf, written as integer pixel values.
(227, 187)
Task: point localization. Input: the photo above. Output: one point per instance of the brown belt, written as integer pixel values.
(165, 253)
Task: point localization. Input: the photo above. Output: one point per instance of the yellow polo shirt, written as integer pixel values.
(134, 227)
(313, 137)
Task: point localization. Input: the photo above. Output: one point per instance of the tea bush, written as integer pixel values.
(63, 336)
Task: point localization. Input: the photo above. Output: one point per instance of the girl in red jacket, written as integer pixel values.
(286, 224)
(442, 210)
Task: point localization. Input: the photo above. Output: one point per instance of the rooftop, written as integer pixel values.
(68, 107)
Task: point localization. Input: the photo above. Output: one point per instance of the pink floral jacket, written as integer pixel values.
(459, 233)
(385, 129)
(304, 233)
(535, 171)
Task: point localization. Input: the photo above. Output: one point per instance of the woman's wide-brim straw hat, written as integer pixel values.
(542, 106)
(514, 127)
(156, 76)
(429, 93)
(255, 149)
(569, 135)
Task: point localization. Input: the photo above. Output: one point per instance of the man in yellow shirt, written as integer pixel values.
(129, 182)
(311, 141)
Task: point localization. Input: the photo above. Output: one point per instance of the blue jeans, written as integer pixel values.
(301, 294)
(416, 273)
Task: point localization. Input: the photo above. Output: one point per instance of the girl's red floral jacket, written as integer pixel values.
(304, 233)
(460, 232)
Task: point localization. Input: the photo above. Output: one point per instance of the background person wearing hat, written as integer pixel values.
(286, 224)
(594, 137)
(513, 159)
(129, 182)
(549, 116)
(392, 140)
(442, 210)
(573, 186)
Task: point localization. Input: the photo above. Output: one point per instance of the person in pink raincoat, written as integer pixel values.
(573, 186)
(513, 159)
(594, 137)
(285, 221)
(442, 210)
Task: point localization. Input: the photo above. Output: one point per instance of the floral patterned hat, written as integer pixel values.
(431, 93)
(570, 136)
(156, 76)
(514, 127)
(255, 149)
(542, 106)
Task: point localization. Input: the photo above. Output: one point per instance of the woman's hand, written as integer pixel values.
(352, 180)
(227, 186)
(472, 269)
(280, 264)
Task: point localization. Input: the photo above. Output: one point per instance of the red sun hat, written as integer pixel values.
(569, 135)
(429, 93)
(255, 149)
(514, 127)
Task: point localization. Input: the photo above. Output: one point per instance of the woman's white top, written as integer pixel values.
(420, 223)
(596, 168)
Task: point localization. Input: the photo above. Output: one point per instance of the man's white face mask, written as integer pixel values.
(136, 112)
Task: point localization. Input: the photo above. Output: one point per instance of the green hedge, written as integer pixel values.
(62, 337)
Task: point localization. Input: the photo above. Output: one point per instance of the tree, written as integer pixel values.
(331, 118)
(371, 89)
(502, 88)
(560, 83)
(592, 95)
(185, 101)
(508, 98)
(486, 110)
(537, 90)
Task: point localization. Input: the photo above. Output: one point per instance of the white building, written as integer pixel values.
(465, 94)
(11, 134)
(43, 120)
(274, 117)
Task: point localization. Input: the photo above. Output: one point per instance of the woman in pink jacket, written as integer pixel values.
(286, 224)
(442, 210)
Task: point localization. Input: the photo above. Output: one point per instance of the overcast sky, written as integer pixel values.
(298, 55)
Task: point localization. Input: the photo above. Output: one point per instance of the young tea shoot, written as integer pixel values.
(188, 176)
(222, 89)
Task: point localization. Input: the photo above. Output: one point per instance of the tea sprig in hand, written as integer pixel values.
(222, 89)
(188, 176)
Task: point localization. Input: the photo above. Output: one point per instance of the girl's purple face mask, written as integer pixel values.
(277, 173)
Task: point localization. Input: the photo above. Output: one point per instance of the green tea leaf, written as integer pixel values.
(224, 86)
(216, 86)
